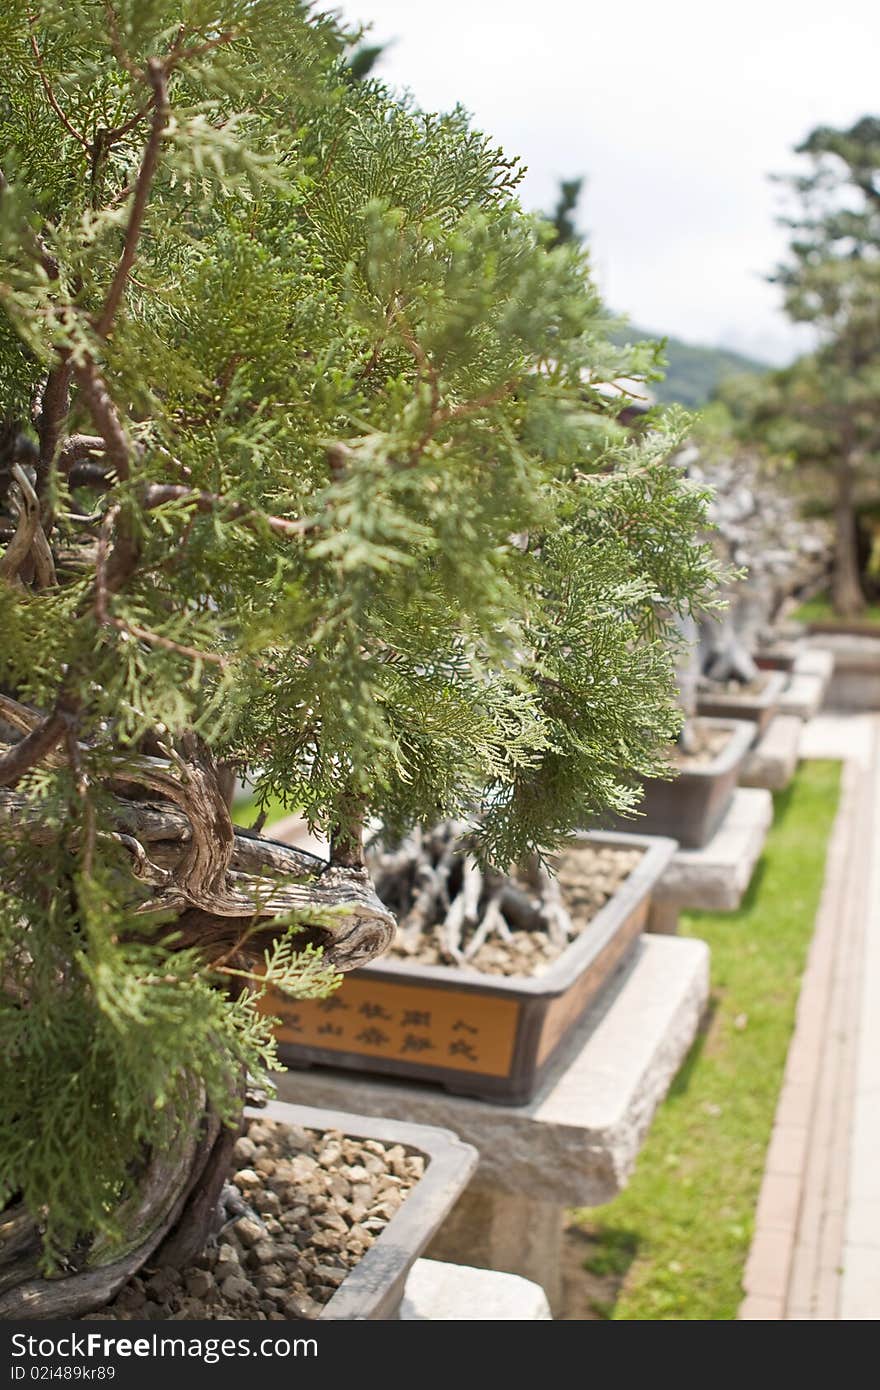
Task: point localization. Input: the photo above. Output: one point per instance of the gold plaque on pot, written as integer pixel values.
(446, 1028)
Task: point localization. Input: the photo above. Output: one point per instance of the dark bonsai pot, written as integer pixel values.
(757, 707)
(691, 806)
(483, 1035)
(777, 659)
(374, 1287)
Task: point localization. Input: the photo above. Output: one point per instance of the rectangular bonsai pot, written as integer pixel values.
(691, 806)
(758, 709)
(780, 658)
(491, 1036)
(374, 1288)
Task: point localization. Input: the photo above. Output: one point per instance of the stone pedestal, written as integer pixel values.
(808, 684)
(505, 1231)
(715, 878)
(773, 761)
(855, 684)
(576, 1142)
(815, 661)
(437, 1292)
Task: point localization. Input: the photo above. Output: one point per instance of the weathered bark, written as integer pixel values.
(171, 816)
(172, 819)
(847, 596)
(199, 1218)
(687, 675)
(441, 893)
(726, 654)
(165, 1217)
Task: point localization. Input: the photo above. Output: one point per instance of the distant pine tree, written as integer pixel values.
(363, 60)
(563, 215)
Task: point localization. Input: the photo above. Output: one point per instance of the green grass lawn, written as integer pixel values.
(673, 1245)
(819, 610)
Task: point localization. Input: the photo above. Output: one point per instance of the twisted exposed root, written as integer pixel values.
(438, 887)
(199, 865)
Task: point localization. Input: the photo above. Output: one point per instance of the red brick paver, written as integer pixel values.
(794, 1265)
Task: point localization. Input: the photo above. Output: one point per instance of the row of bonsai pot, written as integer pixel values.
(477, 1023)
(486, 982)
(457, 1008)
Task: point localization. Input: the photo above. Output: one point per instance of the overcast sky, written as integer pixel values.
(674, 112)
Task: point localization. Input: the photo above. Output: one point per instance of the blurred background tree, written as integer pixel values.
(823, 412)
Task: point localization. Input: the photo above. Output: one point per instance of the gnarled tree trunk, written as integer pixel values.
(171, 816)
(687, 675)
(165, 1217)
(847, 596)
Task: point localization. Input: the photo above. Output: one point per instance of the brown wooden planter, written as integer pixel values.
(758, 709)
(482, 1035)
(374, 1288)
(691, 806)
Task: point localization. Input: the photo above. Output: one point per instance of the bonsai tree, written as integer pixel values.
(306, 477)
(772, 553)
(824, 410)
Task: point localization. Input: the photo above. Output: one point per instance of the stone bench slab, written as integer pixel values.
(855, 683)
(815, 661)
(577, 1140)
(773, 761)
(715, 878)
(804, 694)
(441, 1292)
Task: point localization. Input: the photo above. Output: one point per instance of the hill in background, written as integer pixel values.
(693, 373)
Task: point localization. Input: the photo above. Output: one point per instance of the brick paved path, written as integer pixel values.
(816, 1247)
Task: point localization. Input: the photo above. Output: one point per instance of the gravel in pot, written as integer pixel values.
(302, 1208)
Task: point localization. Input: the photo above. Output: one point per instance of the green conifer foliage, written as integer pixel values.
(309, 471)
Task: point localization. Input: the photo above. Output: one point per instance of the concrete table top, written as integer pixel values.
(441, 1292)
(773, 761)
(715, 878)
(576, 1142)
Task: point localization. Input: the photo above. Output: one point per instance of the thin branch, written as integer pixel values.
(116, 42)
(104, 587)
(81, 782)
(187, 55)
(24, 755)
(77, 447)
(52, 99)
(440, 415)
(119, 196)
(156, 639)
(106, 417)
(379, 344)
(120, 131)
(53, 405)
(157, 77)
(156, 494)
(431, 377)
(466, 408)
(101, 555)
